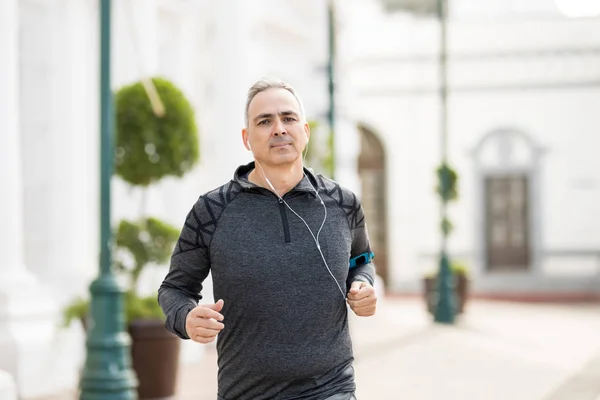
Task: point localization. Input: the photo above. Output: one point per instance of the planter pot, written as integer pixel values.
(461, 292)
(155, 358)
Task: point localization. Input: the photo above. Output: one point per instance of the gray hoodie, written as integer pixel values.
(286, 322)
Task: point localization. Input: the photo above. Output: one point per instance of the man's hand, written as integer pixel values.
(202, 324)
(362, 299)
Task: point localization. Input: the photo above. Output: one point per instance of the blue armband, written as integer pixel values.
(361, 259)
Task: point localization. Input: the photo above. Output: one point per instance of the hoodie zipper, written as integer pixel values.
(284, 221)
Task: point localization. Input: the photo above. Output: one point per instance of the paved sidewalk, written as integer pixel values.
(497, 351)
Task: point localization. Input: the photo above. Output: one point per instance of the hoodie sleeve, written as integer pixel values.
(181, 289)
(360, 245)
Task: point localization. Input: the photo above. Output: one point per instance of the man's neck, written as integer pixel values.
(283, 177)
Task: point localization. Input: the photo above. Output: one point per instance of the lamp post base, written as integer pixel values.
(107, 374)
(445, 309)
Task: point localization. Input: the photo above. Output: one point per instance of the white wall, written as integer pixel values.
(394, 78)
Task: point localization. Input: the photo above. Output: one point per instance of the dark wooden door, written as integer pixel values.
(507, 233)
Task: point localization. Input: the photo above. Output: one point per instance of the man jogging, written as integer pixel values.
(288, 250)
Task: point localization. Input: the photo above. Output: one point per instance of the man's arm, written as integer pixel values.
(181, 289)
(364, 270)
(361, 277)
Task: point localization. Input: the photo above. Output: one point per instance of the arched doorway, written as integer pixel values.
(371, 169)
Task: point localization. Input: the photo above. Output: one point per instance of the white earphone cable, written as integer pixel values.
(315, 238)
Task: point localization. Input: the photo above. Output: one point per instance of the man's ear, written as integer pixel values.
(307, 131)
(246, 139)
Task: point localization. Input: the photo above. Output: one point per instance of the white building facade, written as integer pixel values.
(524, 87)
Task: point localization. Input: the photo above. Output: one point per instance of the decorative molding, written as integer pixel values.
(478, 56)
(524, 86)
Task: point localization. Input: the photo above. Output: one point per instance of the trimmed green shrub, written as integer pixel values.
(149, 147)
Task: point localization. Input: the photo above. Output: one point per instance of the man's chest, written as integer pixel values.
(270, 241)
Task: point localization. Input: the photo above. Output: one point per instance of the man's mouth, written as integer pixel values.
(280, 144)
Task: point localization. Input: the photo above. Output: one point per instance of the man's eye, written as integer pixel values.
(289, 119)
(263, 122)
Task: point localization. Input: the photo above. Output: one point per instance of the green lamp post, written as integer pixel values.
(331, 81)
(444, 310)
(107, 374)
(444, 306)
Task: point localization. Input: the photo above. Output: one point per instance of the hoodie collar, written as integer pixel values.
(241, 177)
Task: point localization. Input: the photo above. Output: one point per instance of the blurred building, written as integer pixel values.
(524, 90)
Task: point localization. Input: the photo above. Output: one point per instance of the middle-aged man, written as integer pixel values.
(288, 250)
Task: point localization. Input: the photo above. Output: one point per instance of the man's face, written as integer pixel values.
(276, 129)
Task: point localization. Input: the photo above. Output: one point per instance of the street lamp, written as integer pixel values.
(444, 309)
(107, 374)
(331, 81)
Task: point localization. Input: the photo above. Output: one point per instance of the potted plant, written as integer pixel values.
(77, 310)
(154, 350)
(460, 285)
(148, 148)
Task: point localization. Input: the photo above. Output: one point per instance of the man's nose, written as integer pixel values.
(279, 128)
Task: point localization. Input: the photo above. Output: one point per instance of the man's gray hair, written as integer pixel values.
(266, 84)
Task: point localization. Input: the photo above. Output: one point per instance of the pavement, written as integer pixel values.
(495, 351)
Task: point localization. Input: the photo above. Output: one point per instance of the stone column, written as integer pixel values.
(234, 73)
(27, 316)
(8, 391)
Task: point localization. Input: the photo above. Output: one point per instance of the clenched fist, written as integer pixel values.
(362, 299)
(202, 324)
